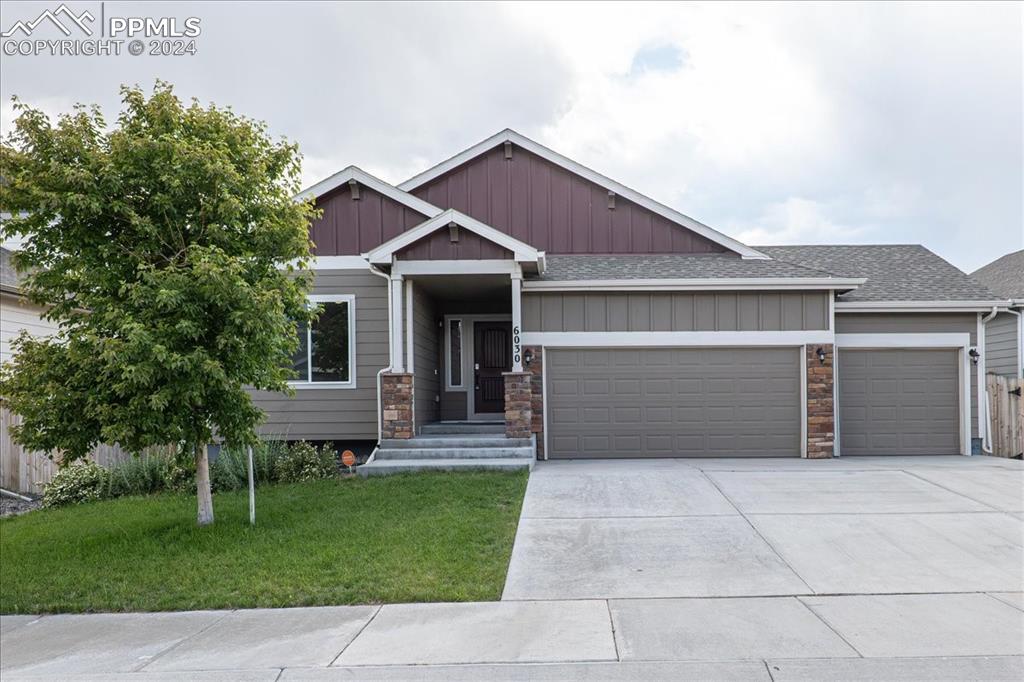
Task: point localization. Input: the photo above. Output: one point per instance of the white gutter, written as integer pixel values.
(917, 306)
(702, 284)
(380, 413)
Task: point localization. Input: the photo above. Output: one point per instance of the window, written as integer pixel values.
(326, 353)
(454, 359)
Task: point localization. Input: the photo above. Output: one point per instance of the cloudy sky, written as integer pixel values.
(798, 123)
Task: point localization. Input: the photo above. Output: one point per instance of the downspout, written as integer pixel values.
(380, 415)
(983, 407)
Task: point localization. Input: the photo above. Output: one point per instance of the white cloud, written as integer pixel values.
(780, 122)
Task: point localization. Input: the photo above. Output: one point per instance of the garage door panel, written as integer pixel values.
(674, 402)
(898, 402)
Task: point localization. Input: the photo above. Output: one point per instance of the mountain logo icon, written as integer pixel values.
(53, 17)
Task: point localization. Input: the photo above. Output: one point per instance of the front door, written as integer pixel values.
(492, 346)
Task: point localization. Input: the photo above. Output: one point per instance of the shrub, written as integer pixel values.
(142, 475)
(303, 462)
(81, 481)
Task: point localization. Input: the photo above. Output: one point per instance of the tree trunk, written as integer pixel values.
(203, 493)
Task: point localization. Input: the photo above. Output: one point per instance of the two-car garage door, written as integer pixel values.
(673, 402)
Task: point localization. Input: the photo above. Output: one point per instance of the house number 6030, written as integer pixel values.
(515, 345)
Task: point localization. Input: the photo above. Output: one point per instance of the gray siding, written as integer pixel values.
(915, 323)
(674, 311)
(1001, 345)
(426, 352)
(318, 413)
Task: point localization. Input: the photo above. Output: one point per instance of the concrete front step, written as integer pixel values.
(460, 428)
(448, 440)
(454, 453)
(379, 467)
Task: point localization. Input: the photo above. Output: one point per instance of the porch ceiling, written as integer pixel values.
(465, 287)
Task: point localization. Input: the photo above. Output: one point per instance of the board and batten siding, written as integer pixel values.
(426, 354)
(17, 314)
(674, 311)
(338, 413)
(1001, 345)
(914, 323)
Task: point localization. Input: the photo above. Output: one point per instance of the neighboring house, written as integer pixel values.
(1004, 333)
(512, 284)
(16, 312)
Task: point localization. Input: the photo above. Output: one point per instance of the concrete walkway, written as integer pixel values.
(727, 570)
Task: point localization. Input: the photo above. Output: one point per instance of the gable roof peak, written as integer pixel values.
(509, 135)
(363, 178)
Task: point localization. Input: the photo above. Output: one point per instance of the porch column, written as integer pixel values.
(517, 322)
(397, 327)
(409, 328)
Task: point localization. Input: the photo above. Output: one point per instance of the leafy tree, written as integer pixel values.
(168, 250)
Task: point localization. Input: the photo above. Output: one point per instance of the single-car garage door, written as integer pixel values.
(673, 402)
(898, 402)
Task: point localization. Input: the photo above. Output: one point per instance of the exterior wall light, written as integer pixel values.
(821, 355)
(975, 355)
(528, 357)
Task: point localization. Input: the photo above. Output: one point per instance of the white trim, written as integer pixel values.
(803, 402)
(699, 284)
(835, 402)
(591, 175)
(397, 354)
(308, 383)
(449, 387)
(517, 323)
(455, 267)
(376, 184)
(961, 341)
(965, 402)
(698, 339)
(410, 351)
(831, 311)
(979, 370)
(383, 254)
(544, 396)
(338, 263)
(940, 340)
(916, 306)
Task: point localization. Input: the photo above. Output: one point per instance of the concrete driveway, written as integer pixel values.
(761, 528)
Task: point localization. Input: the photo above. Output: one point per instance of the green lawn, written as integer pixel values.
(425, 537)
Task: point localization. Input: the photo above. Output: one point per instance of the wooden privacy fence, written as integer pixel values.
(1006, 415)
(27, 471)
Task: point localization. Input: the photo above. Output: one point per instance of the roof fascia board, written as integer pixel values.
(522, 252)
(376, 184)
(917, 306)
(592, 175)
(708, 284)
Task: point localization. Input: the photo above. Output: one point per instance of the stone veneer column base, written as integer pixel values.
(396, 403)
(518, 400)
(536, 370)
(821, 421)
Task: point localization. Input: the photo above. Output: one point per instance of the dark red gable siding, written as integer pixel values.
(439, 246)
(349, 227)
(554, 210)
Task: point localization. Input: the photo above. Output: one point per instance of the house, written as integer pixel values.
(16, 312)
(514, 298)
(1004, 333)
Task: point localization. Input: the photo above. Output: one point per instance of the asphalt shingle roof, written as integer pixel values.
(1004, 276)
(894, 272)
(669, 266)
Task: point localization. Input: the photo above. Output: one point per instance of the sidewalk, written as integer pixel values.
(926, 636)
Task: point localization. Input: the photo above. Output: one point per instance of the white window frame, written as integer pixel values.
(448, 385)
(307, 383)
